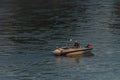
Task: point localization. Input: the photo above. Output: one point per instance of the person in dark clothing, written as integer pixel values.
(76, 44)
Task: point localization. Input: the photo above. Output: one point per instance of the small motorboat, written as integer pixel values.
(74, 50)
(66, 51)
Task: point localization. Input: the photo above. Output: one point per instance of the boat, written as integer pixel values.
(75, 49)
(69, 51)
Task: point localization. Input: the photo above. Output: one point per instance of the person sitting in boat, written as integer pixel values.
(89, 46)
(76, 45)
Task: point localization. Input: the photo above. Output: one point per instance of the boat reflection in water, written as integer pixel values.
(75, 58)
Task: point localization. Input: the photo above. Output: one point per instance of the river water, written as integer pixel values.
(31, 29)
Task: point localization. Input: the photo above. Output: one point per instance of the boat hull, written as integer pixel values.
(71, 51)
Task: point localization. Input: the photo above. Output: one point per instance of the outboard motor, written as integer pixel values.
(89, 46)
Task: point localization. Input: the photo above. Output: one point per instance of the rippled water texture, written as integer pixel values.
(31, 29)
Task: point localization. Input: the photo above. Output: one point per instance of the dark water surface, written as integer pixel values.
(31, 29)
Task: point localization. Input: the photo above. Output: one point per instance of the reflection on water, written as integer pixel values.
(30, 30)
(73, 58)
(63, 60)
